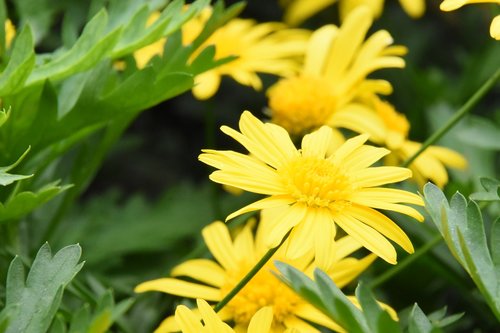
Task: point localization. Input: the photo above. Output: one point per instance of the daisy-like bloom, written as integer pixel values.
(321, 187)
(269, 48)
(189, 321)
(389, 128)
(297, 11)
(449, 5)
(336, 66)
(235, 258)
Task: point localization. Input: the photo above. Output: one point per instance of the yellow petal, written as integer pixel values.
(318, 50)
(382, 224)
(180, 288)
(495, 28)
(261, 321)
(391, 195)
(206, 84)
(293, 322)
(213, 324)
(269, 202)
(344, 246)
(187, 321)
(317, 143)
(414, 8)
(360, 119)
(244, 244)
(368, 237)
(218, 240)
(364, 157)
(448, 5)
(289, 219)
(347, 148)
(300, 10)
(345, 271)
(301, 239)
(310, 313)
(324, 243)
(203, 270)
(377, 176)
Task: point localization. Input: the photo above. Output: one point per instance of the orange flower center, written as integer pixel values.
(301, 104)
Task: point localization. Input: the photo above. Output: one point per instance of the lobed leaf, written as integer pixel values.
(33, 301)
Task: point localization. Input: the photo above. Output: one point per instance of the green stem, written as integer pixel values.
(405, 262)
(466, 108)
(243, 282)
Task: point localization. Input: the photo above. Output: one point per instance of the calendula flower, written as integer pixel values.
(297, 11)
(336, 66)
(449, 5)
(389, 128)
(234, 259)
(320, 187)
(189, 321)
(269, 48)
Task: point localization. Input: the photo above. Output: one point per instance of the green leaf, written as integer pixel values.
(377, 319)
(492, 193)
(495, 245)
(418, 322)
(36, 299)
(480, 132)
(4, 115)
(22, 61)
(88, 50)
(6, 178)
(24, 202)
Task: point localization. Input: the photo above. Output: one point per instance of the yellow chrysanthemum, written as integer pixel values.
(235, 259)
(337, 62)
(321, 187)
(297, 11)
(389, 128)
(189, 321)
(259, 48)
(449, 5)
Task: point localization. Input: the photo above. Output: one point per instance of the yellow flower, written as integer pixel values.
(389, 128)
(449, 5)
(189, 321)
(297, 11)
(234, 259)
(143, 55)
(337, 62)
(320, 186)
(259, 48)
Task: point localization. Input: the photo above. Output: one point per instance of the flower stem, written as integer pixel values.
(466, 108)
(255, 269)
(405, 262)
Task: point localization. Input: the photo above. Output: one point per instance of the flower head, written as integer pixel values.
(336, 66)
(297, 11)
(449, 5)
(234, 259)
(257, 47)
(320, 186)
(189, 321)
(389, 128)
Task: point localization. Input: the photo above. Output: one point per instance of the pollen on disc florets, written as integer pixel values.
(301, 104)
(317, 182)
(263, 290)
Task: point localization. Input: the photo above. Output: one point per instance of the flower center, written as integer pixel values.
(301, 104)
(263, 290)
(317, 182)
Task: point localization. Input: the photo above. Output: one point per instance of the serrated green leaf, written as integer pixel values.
(377, 319)
(495, 245)
(21, 63)
(36, 300)
(88, 50)
(24, 202)
(418, 322)
(340, 309)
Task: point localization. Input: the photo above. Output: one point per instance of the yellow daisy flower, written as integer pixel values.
(449, 5)
(235, 258)
(297, 11)
(189, 321)
(321, 187)
(258, 47)
(389, 128)
(336, 65)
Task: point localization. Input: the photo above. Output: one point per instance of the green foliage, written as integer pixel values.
(31, 302)
(368, 317)
(462, 227)
(7, 178)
